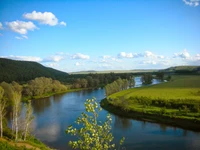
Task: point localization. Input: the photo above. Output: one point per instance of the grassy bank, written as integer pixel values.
(7, 144)
(176, 102)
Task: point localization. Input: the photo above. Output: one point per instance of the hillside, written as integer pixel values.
(183, 69)
(22, 71)
(115, 71)
(176, 69)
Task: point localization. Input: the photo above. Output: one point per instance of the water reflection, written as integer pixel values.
(138, 82)
(49, 133)
(53, 115)
(40, 105)
(122, 123)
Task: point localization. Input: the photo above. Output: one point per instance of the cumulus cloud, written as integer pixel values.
(126, 55)
(80, 56)
(54, 58)
(47, 18)
(184, 54)
(147, 54)
(63, 23)
(1, 26)
(195, 60)
(192, 2)
(25, 58)
(21, 27)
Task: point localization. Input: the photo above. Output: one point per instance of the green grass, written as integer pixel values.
(178, 98)
(181, 87)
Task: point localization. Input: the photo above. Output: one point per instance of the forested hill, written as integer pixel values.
(183, 69)
(23, 71)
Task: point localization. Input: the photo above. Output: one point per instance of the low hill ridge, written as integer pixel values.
(23, 71)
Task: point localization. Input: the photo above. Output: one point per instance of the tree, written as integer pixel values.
(147, 79)
(29, 118)
(16, 112)
(93, 134)
(131, 81)
(2, 109)
(160, 75)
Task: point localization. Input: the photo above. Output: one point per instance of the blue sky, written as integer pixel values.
(76, 35)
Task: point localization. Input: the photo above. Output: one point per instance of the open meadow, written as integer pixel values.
(176, 99)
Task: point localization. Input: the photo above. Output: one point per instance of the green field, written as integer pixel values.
(177, 99)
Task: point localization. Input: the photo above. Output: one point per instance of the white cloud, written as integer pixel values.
(19, 38)
(22, 37)
(25, 37)
(125, 55)
(191, 2)
(147, 54)
(80, 56)
(25, 58)
(184, 54)
(106, 56)
(149, 62)
(43, 18)
(63, 23)
(21, 27)
(51, 64)
(1, 26)
(195, 60)
(55, 58)
(77, 64)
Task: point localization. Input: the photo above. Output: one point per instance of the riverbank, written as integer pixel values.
(24, 99)
(155, 118)
(176, 103)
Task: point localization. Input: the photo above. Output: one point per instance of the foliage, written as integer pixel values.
(116, 86)
(40, 86)
(92, 134)
(147, 78)
(2, 109)
(160, 75)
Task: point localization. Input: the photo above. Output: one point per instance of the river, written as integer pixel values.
(54, 114)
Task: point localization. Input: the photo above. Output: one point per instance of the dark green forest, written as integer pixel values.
(23, 71)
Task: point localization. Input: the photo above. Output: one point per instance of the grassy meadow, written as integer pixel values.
(176, 99)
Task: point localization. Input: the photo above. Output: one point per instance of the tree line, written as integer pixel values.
(118, 85)
(95, 80)
(41, 86)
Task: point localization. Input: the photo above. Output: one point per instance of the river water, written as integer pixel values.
(54, 114)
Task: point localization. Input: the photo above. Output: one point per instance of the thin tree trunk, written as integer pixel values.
(26, 130)
(16, 125)
(1, 126)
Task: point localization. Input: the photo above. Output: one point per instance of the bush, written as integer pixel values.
(92, 134)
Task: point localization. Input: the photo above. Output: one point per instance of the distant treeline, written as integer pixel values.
(95, 80)
(34, 88)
